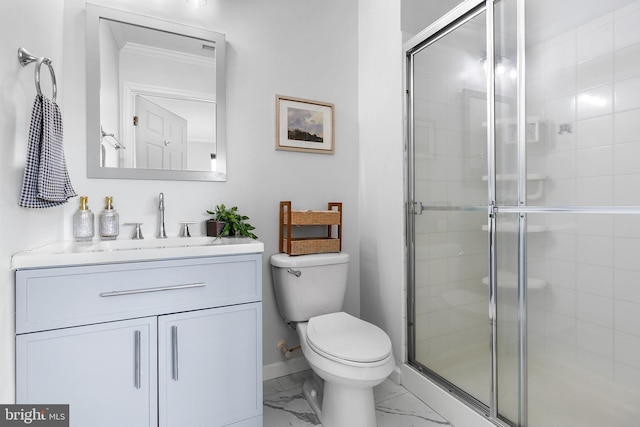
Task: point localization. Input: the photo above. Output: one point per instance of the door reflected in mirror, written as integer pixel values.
(155, 98)
(173, 133)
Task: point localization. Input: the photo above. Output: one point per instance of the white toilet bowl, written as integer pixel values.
(351, 356)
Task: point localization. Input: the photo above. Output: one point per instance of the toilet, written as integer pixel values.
(349, 355)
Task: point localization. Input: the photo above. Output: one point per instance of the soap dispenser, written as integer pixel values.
(83, 222)
(109, 221)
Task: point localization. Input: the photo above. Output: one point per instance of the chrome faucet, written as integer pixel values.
(162, 234)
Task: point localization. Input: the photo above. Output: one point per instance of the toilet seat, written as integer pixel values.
(347, 339)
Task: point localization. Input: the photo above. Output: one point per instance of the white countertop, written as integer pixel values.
(102, 252)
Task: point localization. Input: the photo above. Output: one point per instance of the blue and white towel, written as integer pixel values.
(46, 180)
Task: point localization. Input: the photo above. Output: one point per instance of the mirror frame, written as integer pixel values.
(94, 170)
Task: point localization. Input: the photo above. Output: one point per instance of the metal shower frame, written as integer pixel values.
(448, 23)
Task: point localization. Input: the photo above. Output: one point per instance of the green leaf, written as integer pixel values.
(234, 222)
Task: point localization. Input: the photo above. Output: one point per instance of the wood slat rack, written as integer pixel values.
(332, 218)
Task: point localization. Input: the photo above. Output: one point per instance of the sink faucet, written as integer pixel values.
(162, 234)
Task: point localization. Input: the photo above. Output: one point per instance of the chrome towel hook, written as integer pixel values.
(25, 58)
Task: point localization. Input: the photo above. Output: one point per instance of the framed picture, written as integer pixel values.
(304, 125)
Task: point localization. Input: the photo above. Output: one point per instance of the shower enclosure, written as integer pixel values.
(523, 209)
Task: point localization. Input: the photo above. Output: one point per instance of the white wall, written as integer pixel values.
(382, 290)
(302, 49)
(419, 14)
(20, 228)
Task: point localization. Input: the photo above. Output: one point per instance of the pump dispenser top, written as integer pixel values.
(83, 222)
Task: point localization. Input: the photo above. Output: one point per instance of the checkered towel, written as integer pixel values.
(46, 180)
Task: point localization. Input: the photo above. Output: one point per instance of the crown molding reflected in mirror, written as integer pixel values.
(155, 98)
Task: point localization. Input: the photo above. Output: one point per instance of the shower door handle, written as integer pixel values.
(418, 208)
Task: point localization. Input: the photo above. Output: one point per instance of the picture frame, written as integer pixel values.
(304, 125)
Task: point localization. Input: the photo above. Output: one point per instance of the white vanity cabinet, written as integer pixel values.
(172, 343)
(106, 372)
(222, 368)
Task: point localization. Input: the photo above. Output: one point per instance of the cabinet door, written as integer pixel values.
(210, 366)
(107, 372)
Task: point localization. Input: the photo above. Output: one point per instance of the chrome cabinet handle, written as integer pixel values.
(137, 359)
(174, 351)
(148, 290)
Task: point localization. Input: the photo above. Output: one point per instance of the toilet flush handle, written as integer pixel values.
(296, 273)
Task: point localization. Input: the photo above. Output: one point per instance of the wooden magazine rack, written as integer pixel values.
(289, 218)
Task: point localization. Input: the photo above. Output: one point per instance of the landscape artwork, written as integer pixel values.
(304, 125)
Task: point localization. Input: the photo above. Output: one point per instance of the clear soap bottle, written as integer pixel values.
(83, 222)
(109, 221)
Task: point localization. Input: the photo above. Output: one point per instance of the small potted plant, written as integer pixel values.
(228, 222)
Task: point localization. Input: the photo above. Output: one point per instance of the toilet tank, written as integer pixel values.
(309, 285)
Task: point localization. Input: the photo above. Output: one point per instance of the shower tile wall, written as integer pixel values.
(584, 87)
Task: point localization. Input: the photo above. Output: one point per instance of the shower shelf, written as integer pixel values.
(531, 177)
(508, 280)
(535, 128)
(513, 228)
(514, 177)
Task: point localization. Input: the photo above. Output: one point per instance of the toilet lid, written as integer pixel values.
(348, 338)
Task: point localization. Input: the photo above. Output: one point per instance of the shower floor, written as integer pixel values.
(560, 395)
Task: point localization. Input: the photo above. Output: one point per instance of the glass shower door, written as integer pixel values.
(466, 314)
(451, 326)
(583, 81)
(524, 219)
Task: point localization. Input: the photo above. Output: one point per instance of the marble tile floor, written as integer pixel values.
(284, 405)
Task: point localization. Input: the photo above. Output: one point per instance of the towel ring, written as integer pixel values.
(24, 57)
(47, 61)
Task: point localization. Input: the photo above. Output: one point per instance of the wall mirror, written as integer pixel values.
(155, 98)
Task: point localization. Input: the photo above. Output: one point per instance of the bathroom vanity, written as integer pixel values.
(142, 336)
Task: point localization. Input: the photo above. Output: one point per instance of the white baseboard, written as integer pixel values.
(285, 367)
(396, 375)
(441, 401)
